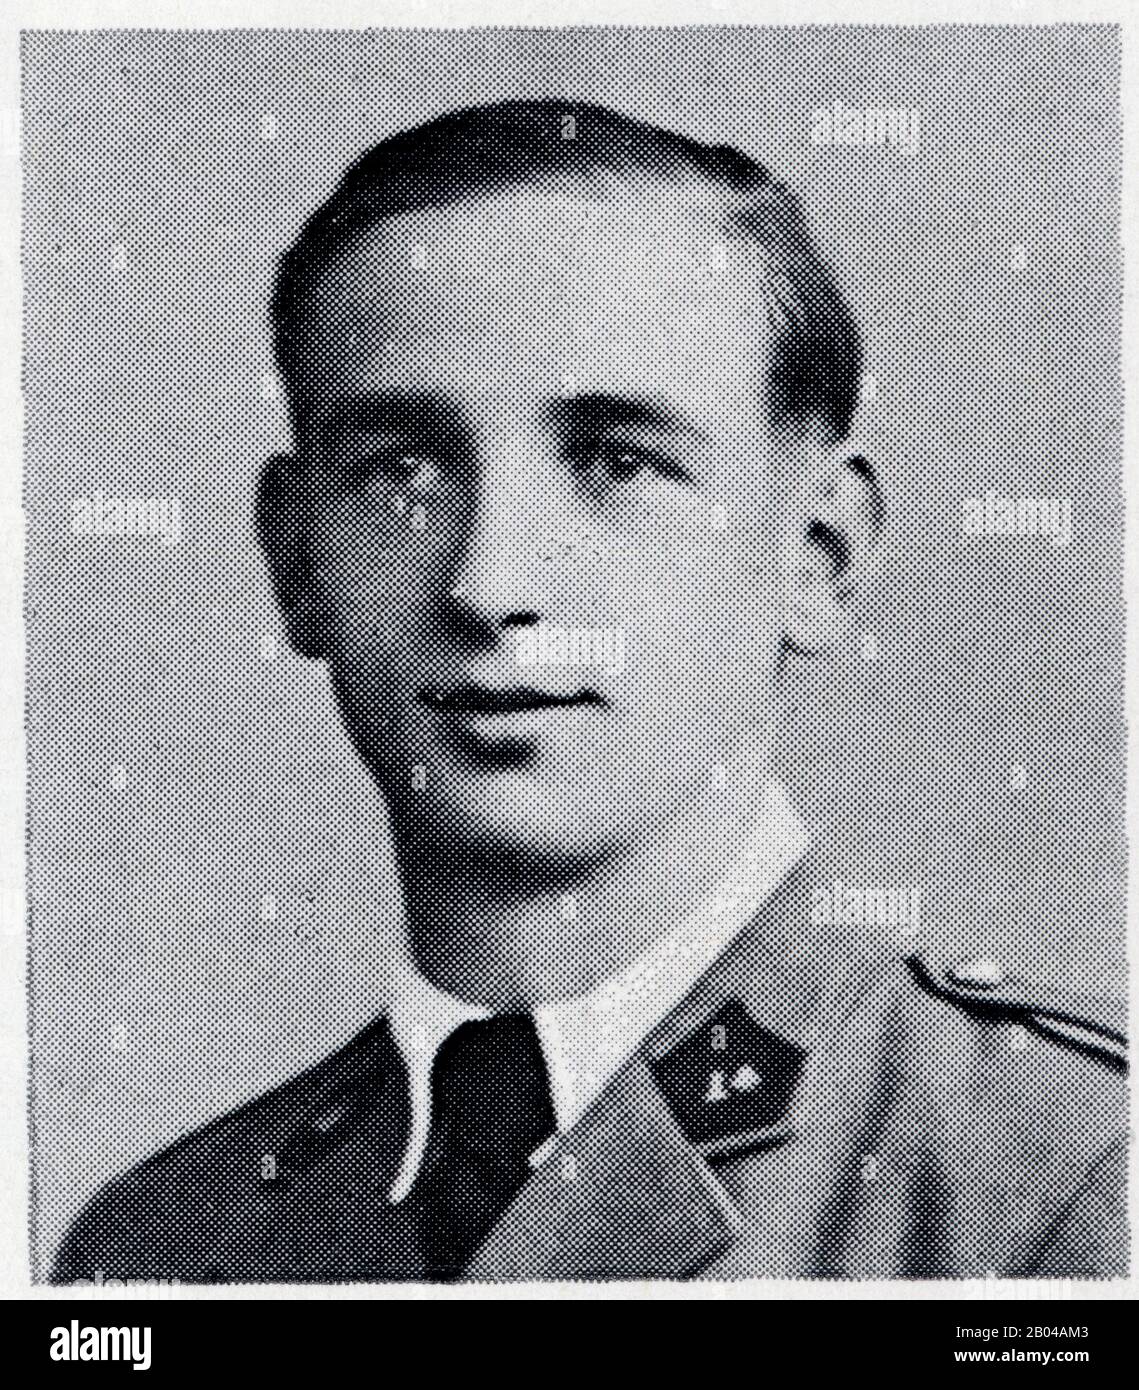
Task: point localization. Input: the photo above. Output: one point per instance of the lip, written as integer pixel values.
(485, 701)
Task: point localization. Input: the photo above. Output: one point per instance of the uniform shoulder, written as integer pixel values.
(159, 1218)
(984, 988)
(1017, 1081)
(1013, 1058)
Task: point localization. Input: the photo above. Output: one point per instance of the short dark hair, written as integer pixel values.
(817, 361)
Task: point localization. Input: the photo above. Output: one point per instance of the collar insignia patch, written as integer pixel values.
(729, 1078)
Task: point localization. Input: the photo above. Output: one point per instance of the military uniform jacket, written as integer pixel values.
(823, 1104)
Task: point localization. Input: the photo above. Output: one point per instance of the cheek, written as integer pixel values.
(719, 581)
(374, 591)
(702, 623)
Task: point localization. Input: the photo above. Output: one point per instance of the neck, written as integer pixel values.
(522, 931)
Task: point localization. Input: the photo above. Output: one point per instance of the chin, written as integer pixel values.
(511, 818)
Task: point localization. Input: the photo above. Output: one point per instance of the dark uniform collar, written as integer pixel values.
(632, 1189)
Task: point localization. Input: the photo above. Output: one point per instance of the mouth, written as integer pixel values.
(482, 700)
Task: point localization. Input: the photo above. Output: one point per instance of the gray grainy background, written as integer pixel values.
(160, 995)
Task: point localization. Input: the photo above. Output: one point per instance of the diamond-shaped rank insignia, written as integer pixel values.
(730, 1083)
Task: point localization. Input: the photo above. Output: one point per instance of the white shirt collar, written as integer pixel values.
(586, 1038)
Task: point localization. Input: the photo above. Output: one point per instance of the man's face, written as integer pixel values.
(547, 515)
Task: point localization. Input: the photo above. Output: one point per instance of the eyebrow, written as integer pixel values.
(598, 409)
(390, 407)
(383, 407)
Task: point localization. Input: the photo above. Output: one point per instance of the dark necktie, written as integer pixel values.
(490, 1109)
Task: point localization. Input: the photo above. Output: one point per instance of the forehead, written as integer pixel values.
(640, 288)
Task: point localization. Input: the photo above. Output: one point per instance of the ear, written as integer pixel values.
(282, 530)
(837, 519)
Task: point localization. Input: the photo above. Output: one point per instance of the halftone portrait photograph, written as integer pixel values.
(575, 655)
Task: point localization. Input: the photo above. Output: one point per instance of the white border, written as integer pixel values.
(335, 14)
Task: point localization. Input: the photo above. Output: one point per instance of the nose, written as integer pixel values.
(500, 580)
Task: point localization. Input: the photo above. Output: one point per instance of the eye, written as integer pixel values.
(609, 463)
(410, 471)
